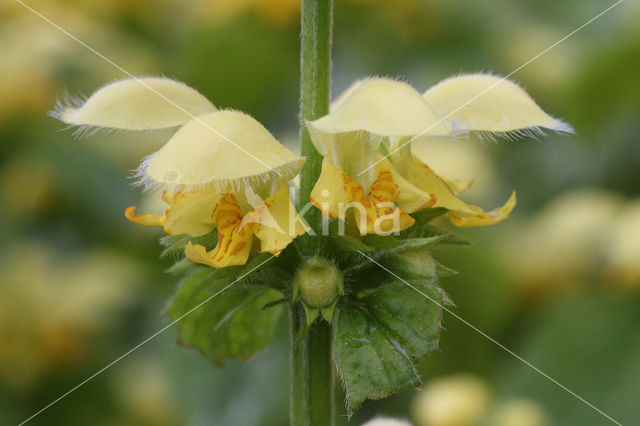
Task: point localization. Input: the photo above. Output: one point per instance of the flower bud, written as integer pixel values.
(318, 282)
(414, 264)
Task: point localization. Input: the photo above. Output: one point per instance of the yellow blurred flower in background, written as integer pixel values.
(580, 236)
(274, 12)
(143, 389)
(36, 56)
(457, 400)
(51, 306)
(467, 400)
(520, 412)
(386, 421)
(622, 248)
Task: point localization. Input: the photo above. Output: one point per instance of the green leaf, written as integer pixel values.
(369, 363)
(380, 337)
(412, 320)
(428, 231)
(181, 266)
(387, 245)
(346, 244)
(231, 325)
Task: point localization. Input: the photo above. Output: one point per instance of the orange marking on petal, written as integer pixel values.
(234, 240)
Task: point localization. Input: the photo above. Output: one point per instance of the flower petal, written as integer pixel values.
(275, 222)
(460, 213)
(385, 217)
(189, 213)
(226, 149)
(335, 194)
(138, 104)
(410, 197)
(486, 103)
(234, 240)
(489, 218)
(333, 189)
(381, 107)
(144, 219)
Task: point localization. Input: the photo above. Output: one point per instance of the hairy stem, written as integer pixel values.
(312, 374)
(315, 90)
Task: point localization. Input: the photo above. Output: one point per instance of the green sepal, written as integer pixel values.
(412, 265)
(310, 313)
(327, 313)
(386, 245)
(181, 266)
(231, 324)
(341, 244)
(444, 271)
(380, 337)
(274, 303)
(425, 216)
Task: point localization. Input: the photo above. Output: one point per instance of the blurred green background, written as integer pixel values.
(558, 283)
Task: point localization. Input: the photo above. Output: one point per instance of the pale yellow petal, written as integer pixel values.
(482, 218)
(225, 149)
(275, 221)
(460, 213)
(380, 107)
(333, 189)
(410, 197)
(338, 101)
(138, 104)
(460, 163)
(487, 103)
(191, 213)
(426, 179)
(459, 185)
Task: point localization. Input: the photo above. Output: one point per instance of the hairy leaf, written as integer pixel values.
(232, 323)
(380, 337)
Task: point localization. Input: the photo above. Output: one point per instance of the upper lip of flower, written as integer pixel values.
(197, 158)
(379, 107)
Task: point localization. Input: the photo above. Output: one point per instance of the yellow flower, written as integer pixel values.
(366, 139)
(211, 176)
(456, 400)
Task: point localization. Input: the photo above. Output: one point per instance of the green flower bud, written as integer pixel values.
(414, 264)
(318, 282)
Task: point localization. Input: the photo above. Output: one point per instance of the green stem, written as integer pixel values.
(315, 90)
(312, 374)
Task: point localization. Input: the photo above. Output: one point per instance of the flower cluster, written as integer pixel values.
(223, 171)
